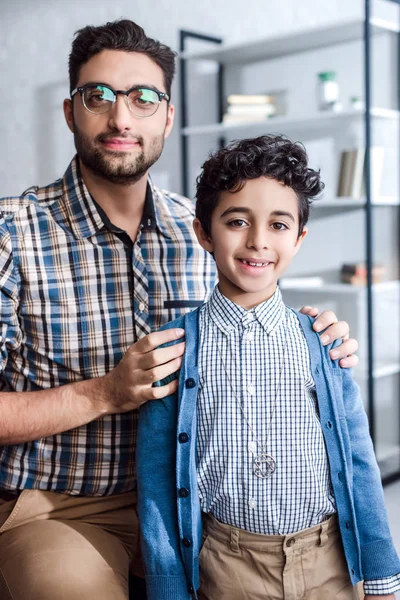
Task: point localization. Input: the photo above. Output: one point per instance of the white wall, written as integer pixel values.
(35, 41)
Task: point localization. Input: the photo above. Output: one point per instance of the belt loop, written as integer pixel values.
(323, 533)
(234, 541)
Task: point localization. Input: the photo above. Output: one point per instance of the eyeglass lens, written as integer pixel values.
(143, 102)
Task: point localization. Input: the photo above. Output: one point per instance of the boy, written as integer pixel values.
(266, 437)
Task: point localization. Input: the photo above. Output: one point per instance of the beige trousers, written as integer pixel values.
(60, 547)
(309, 565)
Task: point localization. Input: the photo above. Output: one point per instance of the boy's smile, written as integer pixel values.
(254, 236)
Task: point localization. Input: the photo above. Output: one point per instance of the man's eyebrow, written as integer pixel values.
(148, 86)
(236, 209)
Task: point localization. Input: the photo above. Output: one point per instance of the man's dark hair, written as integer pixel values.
(270, 156)
(118, 35)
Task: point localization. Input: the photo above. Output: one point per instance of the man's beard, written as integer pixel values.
(114, 166)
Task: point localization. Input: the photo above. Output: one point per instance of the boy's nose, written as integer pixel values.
(257, 240)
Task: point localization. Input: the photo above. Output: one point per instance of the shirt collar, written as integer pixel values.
(87, 218)
(227, 315)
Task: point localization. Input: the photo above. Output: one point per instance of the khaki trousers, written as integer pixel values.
(309, 565)
(60, 547)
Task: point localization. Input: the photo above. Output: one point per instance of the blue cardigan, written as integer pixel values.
(168, 502)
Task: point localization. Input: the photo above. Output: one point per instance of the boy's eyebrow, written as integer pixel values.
(245, 209)
(283, 213)
(235, 209)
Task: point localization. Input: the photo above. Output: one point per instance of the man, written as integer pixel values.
(89, 266)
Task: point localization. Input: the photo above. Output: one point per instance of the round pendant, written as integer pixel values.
(263, 465)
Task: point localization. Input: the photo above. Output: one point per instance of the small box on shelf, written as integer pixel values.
(356, 273)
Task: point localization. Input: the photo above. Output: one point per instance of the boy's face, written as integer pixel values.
(254, 236)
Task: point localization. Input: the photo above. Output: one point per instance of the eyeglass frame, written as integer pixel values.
(161, 96)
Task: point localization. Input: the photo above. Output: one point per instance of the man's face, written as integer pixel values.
(117, 145)
(254, 236)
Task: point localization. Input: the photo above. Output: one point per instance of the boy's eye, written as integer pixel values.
(279, 226)
(237, 223)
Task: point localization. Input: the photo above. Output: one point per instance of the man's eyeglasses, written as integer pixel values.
(141, 101)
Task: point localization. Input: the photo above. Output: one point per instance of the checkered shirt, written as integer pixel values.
(250, 344)
(75, 293)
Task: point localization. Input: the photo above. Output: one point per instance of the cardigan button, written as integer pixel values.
(191, 589)
(183, 493)
(186, 542)
(183, 438)
(190, 383)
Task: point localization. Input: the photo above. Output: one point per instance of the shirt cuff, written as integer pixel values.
(387, 585)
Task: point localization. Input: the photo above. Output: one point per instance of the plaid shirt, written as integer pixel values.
(75, 293)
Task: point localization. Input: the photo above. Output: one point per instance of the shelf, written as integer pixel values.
(292, 43)
(329, 287)
(320, 120)
(344, 202)
(381, 369)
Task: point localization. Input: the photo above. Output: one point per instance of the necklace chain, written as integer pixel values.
(264, 464)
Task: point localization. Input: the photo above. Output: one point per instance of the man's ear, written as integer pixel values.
(170, 120)
(299, 241)
(69, 113)
(204, 240)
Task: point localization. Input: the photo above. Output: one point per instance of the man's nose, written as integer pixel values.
(120, 117)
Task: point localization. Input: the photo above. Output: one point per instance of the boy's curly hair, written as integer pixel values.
(273, 156)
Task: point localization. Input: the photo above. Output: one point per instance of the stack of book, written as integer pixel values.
(243, 108)
(351, 182)
(356, 273)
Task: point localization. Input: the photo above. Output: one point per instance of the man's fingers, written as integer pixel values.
(339, 330)
(153, 340)
(325, 319)
(163, 371)
(349, 362)
(309, 310)
(346, 349)
(155, 393)
(158, 357)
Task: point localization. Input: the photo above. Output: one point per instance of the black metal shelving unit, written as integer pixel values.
(369, 206)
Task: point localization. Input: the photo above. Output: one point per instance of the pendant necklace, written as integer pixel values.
(264, 464)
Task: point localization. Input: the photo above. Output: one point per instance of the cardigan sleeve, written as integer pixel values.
(378, 555)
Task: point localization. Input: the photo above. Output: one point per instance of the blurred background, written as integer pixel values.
(301, 69)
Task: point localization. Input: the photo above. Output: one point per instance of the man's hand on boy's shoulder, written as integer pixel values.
(331, 329)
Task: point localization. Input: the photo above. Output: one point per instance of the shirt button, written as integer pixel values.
(252, 503)
(251, 390)
(142, 306)
(183, 438)
(186, 542)
(253, 447)
(249, 337)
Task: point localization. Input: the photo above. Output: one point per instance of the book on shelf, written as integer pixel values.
(249, 108)
(258, 99)
(356, 273)
(351, 182)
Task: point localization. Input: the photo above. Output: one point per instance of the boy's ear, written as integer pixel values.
(204, 240)
(299, 241)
